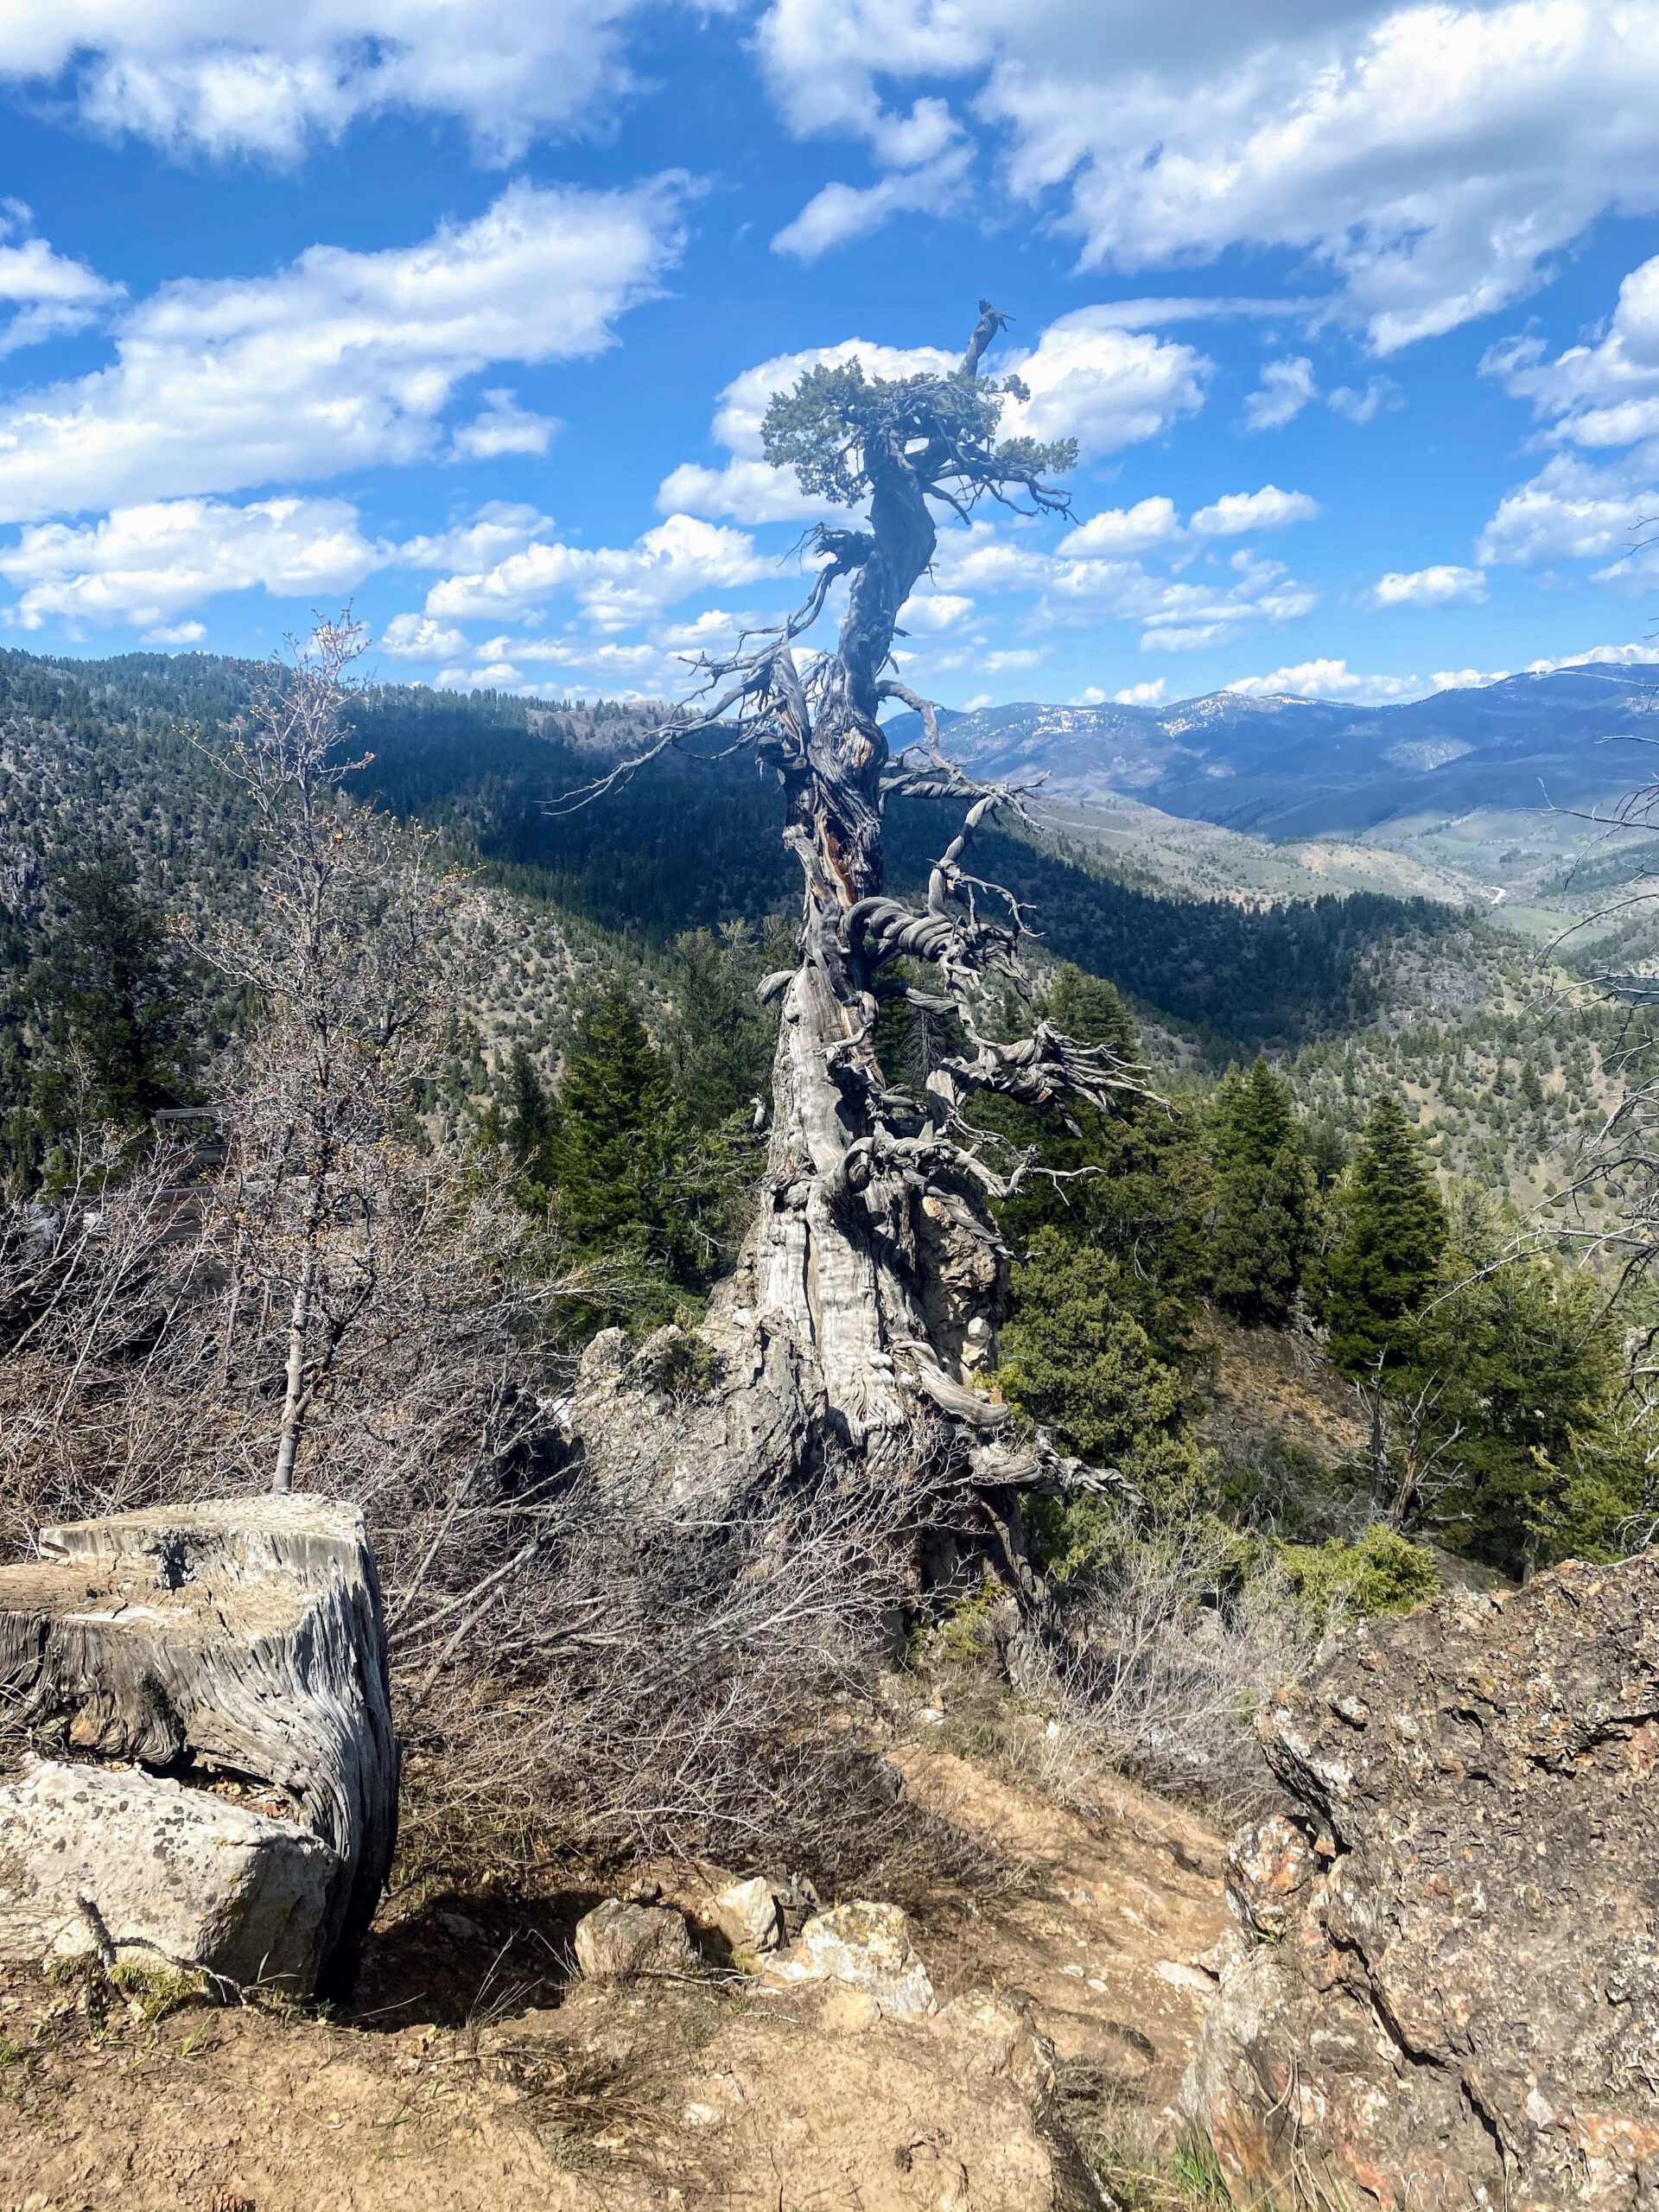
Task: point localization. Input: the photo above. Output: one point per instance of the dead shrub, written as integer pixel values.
(1166, 1655)
(660, 1677)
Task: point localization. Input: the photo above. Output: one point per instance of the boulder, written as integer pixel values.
(239, 1637)
(1448, 1986)
(866, 1947)
(99, 1858)
(748, 1915)
(617, 1942)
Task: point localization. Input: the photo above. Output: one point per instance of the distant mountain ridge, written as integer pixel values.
(1280, 766)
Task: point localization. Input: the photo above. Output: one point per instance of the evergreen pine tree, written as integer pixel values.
(532, 1120)
(722, 1039)
(1263, 1225)
(1076, 1359)
(1523, 1362)
(1384, 1263)
(613, 1152)
(109, 988)
(1136, 1181)
(1090, 1008)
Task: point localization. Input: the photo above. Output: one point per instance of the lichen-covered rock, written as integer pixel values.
(101, 1857)
(1449, 1988)
(865, 1947)
(617, 1942)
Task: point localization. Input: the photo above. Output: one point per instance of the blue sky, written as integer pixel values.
(469, 311)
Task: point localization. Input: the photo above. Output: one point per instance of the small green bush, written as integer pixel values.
(1379, 1572)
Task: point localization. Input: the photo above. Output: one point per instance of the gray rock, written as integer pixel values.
(748, 1915)
(1447, 1986)
(617, 1942)
(94, 1856)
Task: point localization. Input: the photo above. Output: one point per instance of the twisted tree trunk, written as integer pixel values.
(870, 1288)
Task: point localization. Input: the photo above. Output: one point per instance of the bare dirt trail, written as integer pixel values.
(473, 2072)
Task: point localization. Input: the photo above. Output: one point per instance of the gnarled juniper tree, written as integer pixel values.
(874, 1255)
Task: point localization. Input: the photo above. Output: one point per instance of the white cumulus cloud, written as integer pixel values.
(48, 295)
(1570, 512)
(1630, 656)
(502, 426)
(342, 360)
(1379, 392)
(1442, 586)
(1331, 679)
(1593, 498)
(144, 564)
(1235, 513)
(1153, 522)
(841, 212)
(615, 586)
(1124, 530)
(1107, 387)
(417, 637)
(1335, 680)
(1432, 156)
(1604, 395)
(1176, 616)
(263, 78)
(930, 612)
(1286, 388)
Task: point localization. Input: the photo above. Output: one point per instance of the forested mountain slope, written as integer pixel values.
(103, 751)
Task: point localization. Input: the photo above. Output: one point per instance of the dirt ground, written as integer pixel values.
(472, 2069)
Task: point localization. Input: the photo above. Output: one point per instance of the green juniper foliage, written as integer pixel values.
(720, 1038)
(1134, 1182)
(1524, 1363)
(1076, 1359)
(612, 1151)
(108, 1022)
(825, 425)
(530, 1122)
(620, 1162)
(1379, 1572)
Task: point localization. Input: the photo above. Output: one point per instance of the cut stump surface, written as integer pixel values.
(241, 1638)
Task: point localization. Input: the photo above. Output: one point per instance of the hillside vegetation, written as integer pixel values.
(1318, 1308)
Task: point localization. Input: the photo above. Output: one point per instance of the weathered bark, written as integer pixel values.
(852, 1259)
(241, 1638)
(870, 1290)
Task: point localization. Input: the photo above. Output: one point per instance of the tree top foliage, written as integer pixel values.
(841, 431)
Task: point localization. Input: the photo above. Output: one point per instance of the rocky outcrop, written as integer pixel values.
(1446, 1988)
(239, 1638)
(145, 1873)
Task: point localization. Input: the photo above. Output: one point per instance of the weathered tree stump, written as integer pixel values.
(240, 1637)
